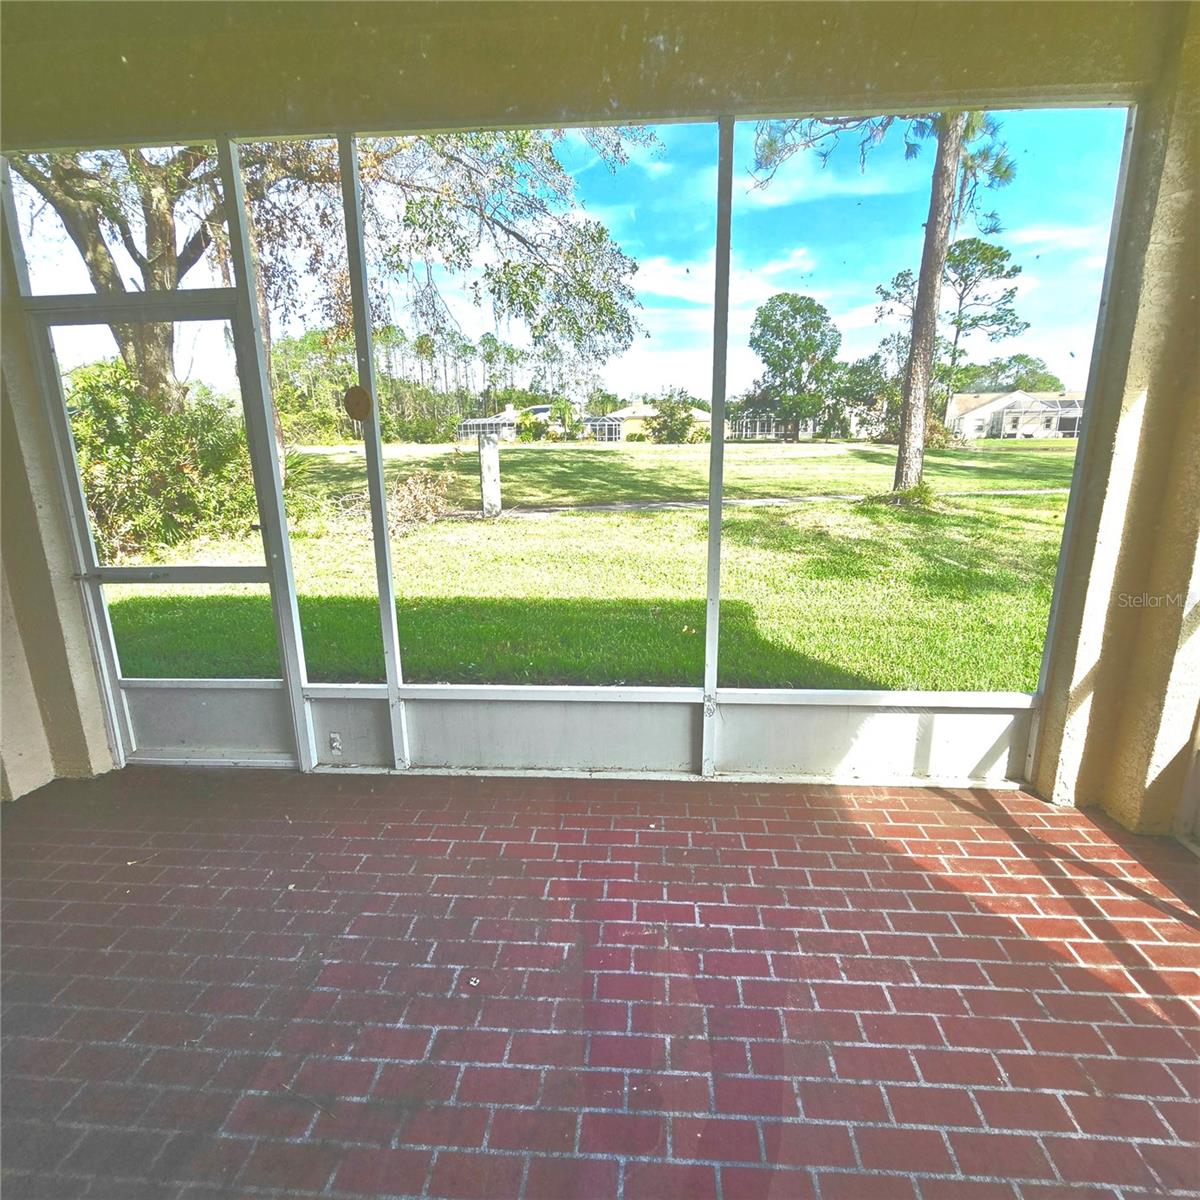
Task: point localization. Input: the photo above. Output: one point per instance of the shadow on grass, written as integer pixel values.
(457, 639)
(533, 475)
(566, 474)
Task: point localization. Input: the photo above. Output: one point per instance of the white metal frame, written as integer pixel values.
(238, 305)
(260, 434)
(716, 454)
(500, 425)
(365, 347)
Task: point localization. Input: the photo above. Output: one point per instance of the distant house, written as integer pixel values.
(502, 424)
(1015, 414)
(765, 427)
(617, 426)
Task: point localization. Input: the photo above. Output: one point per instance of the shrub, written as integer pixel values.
(302, 487)
(699, 433)
(423, 429)
(531, 428)
(920, 495)
(315, 427)
(939, 437)
(156, 475)
(637, 437)
(672, 422)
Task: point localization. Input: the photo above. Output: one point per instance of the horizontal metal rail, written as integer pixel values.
(187, 304)
(165, 574)
(980, 702)
(499, 693)
(834, 698)
(816, 697)
(346, 691)
(250, 685)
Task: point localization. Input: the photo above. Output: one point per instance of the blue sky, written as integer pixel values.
(834, 232)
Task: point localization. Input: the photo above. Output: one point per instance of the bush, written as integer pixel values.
(672, 422)
(426, 430)
(315, 427)
(156, 475)
(699, 433)
(302, 486)
(637, 437)
(939, 437)
(531, 428)
(921, 496)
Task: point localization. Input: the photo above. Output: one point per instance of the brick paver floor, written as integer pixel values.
(252, 984)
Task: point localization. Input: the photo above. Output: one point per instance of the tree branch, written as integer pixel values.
(194, 248)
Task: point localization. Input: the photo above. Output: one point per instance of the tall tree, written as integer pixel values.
(145, 219)
(969, 156)
(974, 268)
(1017, 371)
(866, 390)
(797, 343)
(910, 448)
(897, 297)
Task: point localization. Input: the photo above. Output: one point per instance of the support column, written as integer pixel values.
(1121, 679)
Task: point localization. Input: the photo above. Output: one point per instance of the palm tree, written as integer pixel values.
(969, 156)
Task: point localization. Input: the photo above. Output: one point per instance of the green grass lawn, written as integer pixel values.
(818, 594)
(582, 473)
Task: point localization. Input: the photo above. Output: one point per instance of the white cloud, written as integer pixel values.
(676, 278)
(1058, 237)
(803, 178)
(861, 316)
(799, 259)
(1026, 283)
(643, 369)
(1066, 349)
(693, 280)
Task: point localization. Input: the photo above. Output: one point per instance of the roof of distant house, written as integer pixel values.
(968, 402)
(639, 408)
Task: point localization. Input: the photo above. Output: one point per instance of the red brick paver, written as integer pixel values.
(222, 984)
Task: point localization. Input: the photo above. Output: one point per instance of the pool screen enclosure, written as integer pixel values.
(290, 719)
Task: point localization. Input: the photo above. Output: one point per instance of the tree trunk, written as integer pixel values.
(953, 361)
(910, 455)
(149, 353)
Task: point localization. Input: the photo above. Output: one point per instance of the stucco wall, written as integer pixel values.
(1124, 678)
(52, 721)
(25, 759)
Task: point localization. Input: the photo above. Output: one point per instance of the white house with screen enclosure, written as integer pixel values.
(620, 424)
(1015, 414)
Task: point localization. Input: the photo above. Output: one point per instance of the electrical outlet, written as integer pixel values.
(335, 743)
